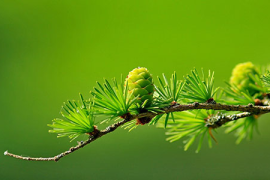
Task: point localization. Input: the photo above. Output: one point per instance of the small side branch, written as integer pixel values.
(184, 107)
(6, 153)
(248, 110)
(72, 149)
(221, 120)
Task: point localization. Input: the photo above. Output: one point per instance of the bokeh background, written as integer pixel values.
(52, 50)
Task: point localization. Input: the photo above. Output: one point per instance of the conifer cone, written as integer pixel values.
(140, 82)
(240, 76)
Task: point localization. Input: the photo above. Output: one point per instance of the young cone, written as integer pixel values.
(140, 85)
(240, 76)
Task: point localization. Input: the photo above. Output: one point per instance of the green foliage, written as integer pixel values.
(138, 94)
(190, 125)
(258, 86)
(199, 89)
(243, 128)
(238, 96)
(130, 125)
(156, 106)
(246, 87)
(250, 86)
(169, 90)
(112, 100)
(78, 118)
(266, 80)
(168, 93)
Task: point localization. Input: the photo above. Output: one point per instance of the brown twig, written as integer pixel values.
(221, 120)
(248, 110)
(72, 149)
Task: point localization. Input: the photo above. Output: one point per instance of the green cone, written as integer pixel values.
(140, 82)
(240, 76)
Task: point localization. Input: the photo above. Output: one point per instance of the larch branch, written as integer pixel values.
(248, 110)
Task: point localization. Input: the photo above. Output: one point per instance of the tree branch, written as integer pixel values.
(72, 149)
(221, 119)
(248, 110)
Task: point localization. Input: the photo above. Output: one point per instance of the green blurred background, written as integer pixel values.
(52, 50)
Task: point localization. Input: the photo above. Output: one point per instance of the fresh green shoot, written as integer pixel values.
(158, 104)
(260, 84)
(77, 119)
(243, 128)
(266, 79)
(199, 89)
(130, 126)
(156, 119)
(112, 100)
(238, 96)
(155, 107)
(189, 124)
(169, 90)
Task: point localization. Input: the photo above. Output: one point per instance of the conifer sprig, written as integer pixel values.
(78, 118)
(190, 125)
(243, 128)
(266, 79)
(112, 100)
(199, 89)
(169, 90)
(215, 122)
(168, 93)
(238, 96)
(190, 104)
(259, 85)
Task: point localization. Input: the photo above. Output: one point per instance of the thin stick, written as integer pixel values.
(72, 149)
